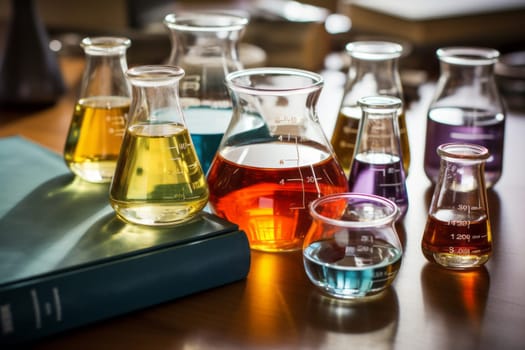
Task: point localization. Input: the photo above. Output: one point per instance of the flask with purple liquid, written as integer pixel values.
(377, 165)
(466, 107)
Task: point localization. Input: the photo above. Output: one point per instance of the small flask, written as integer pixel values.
(373, 71)
(205, 45)
(158, 178)
(466, 107)
(99, 118)
(457, 233)
(352, 248)
(377, 165)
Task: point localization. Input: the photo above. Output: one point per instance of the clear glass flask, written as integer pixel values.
(466, 107)
(457, 233)
(99, 118)
(373, 71)
(205, 45)
(274, 158)
(158, 179)
(377, 165)
(352, 249)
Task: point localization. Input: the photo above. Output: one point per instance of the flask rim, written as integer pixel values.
(374, 50)
(154, 75)
(240, 81)
(357, 197)
(380, 103)
(468, 56)
(205, 21)
(463, 151)
(105, 45)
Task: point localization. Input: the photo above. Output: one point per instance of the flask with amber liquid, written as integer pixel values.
(158, 179)
(458, 233)
(373, 71)
(99, 118)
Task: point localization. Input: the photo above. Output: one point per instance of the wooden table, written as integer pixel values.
(276, 307)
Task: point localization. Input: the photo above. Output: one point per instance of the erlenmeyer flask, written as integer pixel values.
(377, 163)
(373, 71)
(158, 179)
(99, 118)
(466, 107)
(458, 233)
(205, 45)
(274, 158)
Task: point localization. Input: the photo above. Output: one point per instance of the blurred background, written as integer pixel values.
(308, 34)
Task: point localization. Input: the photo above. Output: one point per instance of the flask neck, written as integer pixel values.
(372, 77)
(155, 96)
(106, 65)
(379, 133)
(105, 76)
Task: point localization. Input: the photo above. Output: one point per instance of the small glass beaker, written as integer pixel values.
(373, 71)
(352, 249)
(274, 158)
(457, 233)
(205, 45)
(158, 178)
(377, 165)
(466, 107)
(99, 119)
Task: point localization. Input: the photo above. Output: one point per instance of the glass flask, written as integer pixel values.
(457, 233)
(352, 249)
(373, 71)
(377, 163)
(99, 118)
(158, 179)
(274, 158)
(466, 107)
(205, 45)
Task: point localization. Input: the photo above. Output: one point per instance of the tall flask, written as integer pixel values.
(377, 165)
(158, 179)
(458, 233)
(466, 107)
(373, 71)
(99, 118)
(205, 45)
(274, 158)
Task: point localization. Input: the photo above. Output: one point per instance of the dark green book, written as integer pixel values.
(67, 261)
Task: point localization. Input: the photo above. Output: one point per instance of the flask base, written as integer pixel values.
(458, 262)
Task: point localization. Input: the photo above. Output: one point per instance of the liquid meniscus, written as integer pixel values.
(330, 267)
(345, 136)
(95, 137)
(380, 174)
(266, 188)
(468, 125)
(457, 241)
(158, 179)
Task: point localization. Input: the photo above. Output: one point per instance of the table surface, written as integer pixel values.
(276, 306)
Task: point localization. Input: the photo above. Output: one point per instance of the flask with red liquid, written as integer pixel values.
(458, 233)
(274, 158)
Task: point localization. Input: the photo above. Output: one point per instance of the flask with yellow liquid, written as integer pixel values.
(99, 118)
(158, 179)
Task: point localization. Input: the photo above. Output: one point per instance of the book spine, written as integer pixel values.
(53, 304)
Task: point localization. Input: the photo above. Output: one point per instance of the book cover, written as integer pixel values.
(66, 260)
